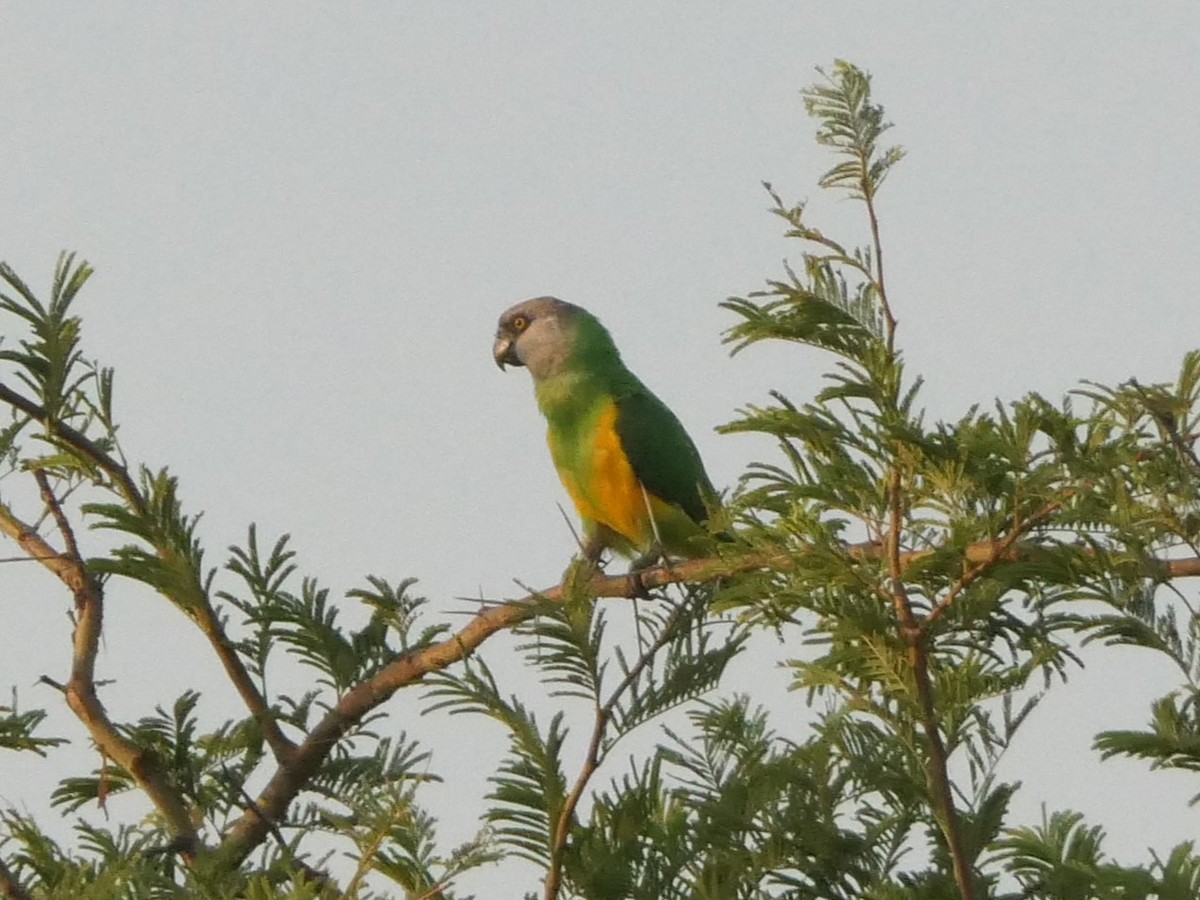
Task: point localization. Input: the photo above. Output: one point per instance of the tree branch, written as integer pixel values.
(250, 830)
(868, 196)
(916, 634)
(938, 774)
(210, 626)
(81, 442)
(205, 617)
(592, 759)
(247, 803)
(69, 568)
(999, 550)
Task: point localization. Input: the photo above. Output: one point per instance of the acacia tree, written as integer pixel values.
(922, 579)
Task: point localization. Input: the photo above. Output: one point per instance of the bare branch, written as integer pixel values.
(69, 568)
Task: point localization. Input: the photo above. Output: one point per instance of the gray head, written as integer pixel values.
(542, 334)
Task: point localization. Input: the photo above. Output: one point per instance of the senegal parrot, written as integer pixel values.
(630, 468)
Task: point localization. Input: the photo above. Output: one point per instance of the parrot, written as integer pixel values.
(628, 465)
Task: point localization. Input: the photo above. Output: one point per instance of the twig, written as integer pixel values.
(365, 859)
(1000, 550)
(250, 806)
(81, 442)
(434, 892)
(592, 759)
(210, 626)
(248, 802)
(894, 557)
(56, 511)
(868, 196)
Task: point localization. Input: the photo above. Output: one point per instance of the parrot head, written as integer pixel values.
(540, 334)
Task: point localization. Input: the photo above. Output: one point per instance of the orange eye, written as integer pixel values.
(520, 323)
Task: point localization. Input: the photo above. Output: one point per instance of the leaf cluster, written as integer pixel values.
(256, 612)
(677, 657)
(921, 584)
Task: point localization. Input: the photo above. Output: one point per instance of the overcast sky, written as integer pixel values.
(305, 221)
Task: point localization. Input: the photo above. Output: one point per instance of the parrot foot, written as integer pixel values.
(636, 585)
(638, 568)
(651, 557)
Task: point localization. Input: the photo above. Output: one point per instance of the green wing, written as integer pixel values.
(662, 455)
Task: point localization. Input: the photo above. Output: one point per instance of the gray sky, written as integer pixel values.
(305, 221)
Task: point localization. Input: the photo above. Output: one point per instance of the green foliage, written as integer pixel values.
(920, 584)
(17, 729)
(529, 785)
(974, 539)
(170, 559)
(204, 767)
(851, 125)
(1172, 741)
(74, 395)
(372, 800)
(677, 658)
(49, 362)
(1063, 859)
(206, 763)
(305, 623)
(110, 864)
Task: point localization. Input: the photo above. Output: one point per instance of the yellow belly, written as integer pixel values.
(603, 487)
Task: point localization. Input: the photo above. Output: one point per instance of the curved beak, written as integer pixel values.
(504, 351)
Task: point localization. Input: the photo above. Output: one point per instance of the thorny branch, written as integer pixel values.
(203, 613)
(81, 696)
(592, 760)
